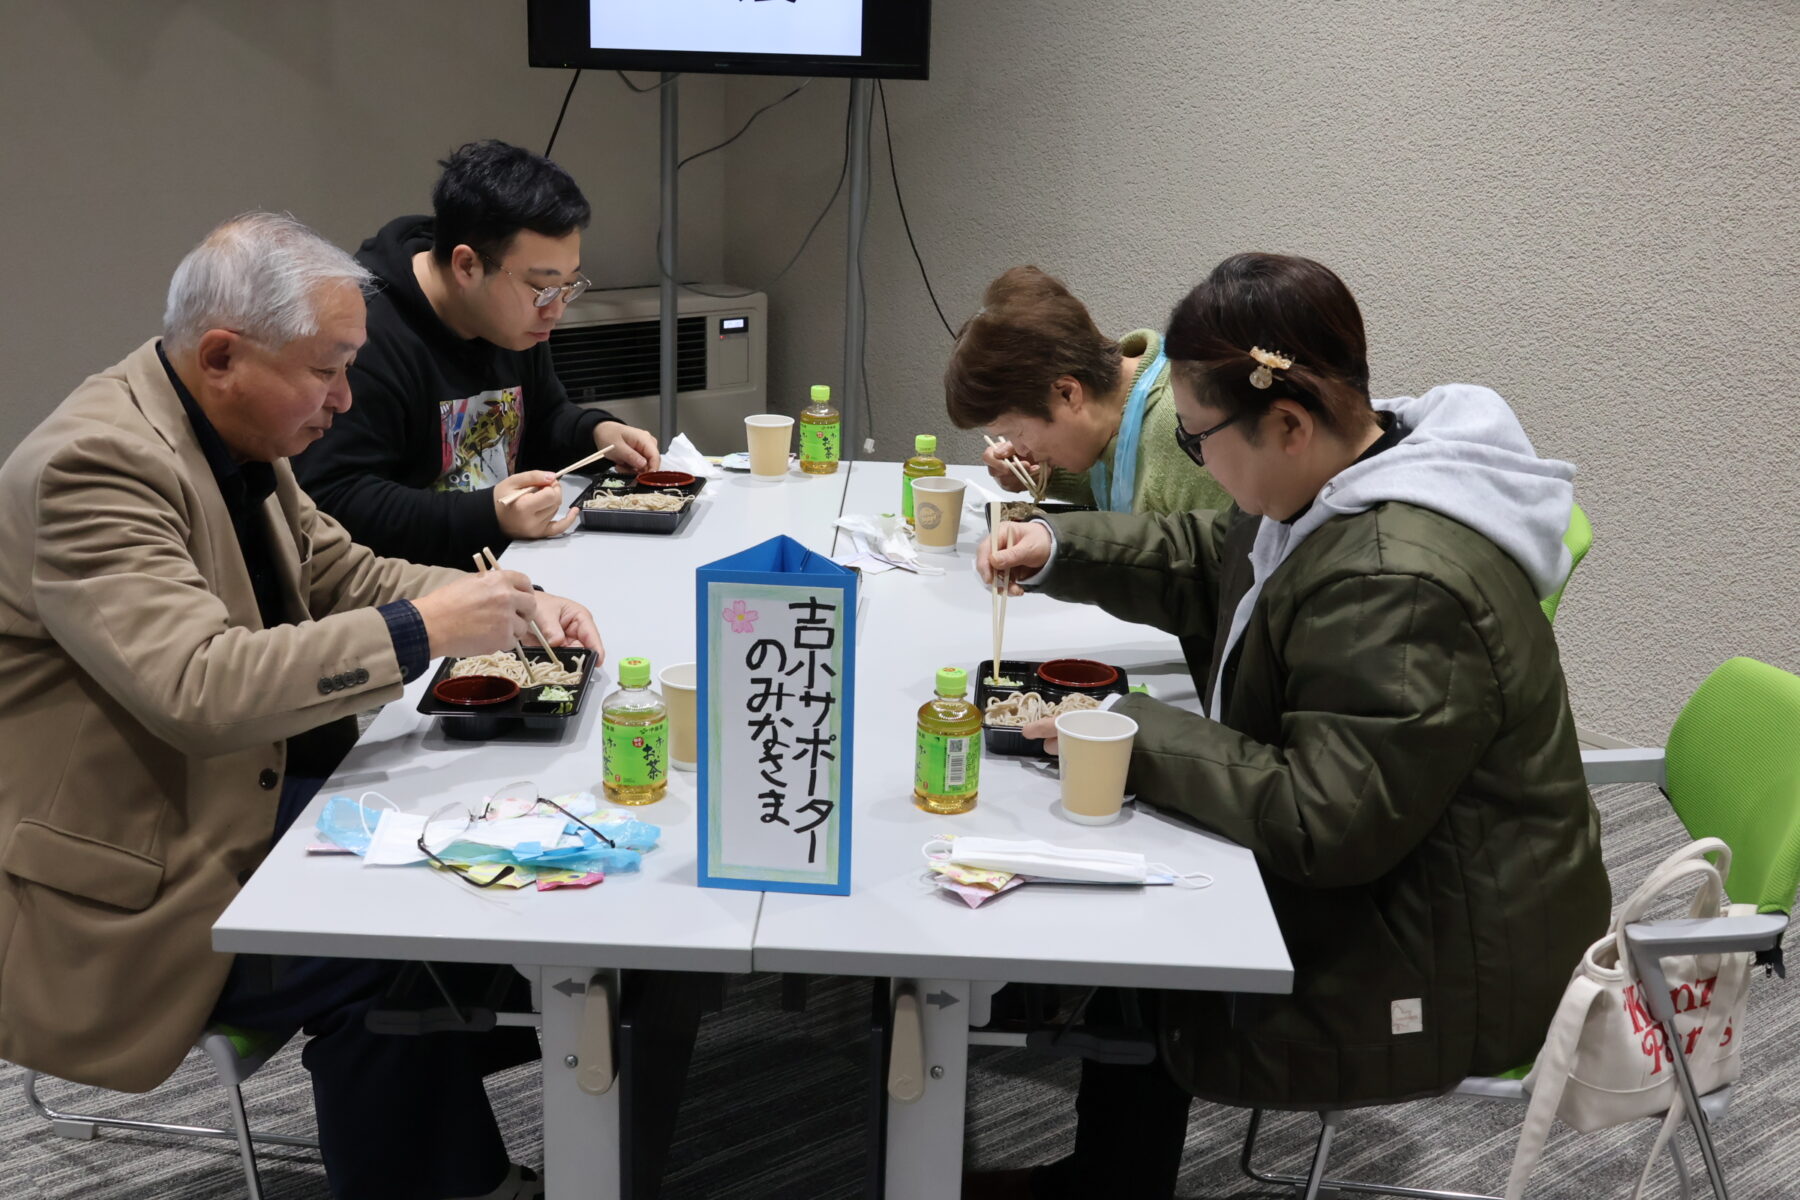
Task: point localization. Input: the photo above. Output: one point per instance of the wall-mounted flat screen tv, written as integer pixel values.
(876, 39)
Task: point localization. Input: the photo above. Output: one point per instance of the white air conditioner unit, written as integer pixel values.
(607, 351)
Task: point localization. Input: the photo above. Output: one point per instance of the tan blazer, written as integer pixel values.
(143, 715)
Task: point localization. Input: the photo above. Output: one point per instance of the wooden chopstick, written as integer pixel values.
(494, 561)
(1001, 582)
(481, 568)
(602, 452)
(574, 466)
(1026, 476)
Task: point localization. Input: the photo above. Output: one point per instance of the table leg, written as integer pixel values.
(925, 1136)
(581, 1131)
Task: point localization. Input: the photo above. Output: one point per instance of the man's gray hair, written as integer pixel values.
(257, 274)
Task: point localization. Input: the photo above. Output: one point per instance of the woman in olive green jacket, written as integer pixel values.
(1032, 369)
(1387, 723)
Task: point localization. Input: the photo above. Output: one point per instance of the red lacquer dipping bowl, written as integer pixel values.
(476, 691)
(1078, 674)
(665, 479)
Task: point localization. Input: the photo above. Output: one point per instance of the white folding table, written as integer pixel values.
(949, 958)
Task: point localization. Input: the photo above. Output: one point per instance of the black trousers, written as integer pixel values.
(1131, 1124)
(400, 1118)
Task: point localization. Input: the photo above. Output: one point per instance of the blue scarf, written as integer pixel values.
(1117, 497)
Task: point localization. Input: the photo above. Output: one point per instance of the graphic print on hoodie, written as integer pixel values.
(435, 421)
(480, 440)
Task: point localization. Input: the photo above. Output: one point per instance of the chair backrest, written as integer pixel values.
(1577, 537)
(1733, 771)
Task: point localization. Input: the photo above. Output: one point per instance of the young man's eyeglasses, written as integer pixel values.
(1191, 442)
(545, 296)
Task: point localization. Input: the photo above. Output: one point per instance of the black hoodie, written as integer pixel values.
(435, 421)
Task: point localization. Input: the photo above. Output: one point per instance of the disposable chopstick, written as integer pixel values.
(1013, 464)
(602, 452)
(543, 641)
(574, 466)
(1001, 583)
(1026, 476)
(481, 568)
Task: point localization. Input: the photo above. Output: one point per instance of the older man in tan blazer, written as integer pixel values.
(182, 639)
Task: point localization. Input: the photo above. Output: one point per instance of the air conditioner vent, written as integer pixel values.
(599, 363)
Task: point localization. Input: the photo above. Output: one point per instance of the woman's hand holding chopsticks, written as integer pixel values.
(1012, 472)
(1019, 549)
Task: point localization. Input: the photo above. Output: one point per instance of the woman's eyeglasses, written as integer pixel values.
(1191, 442)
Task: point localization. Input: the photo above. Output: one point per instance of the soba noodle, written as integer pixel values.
(1022, 708)
(507, 664)
(642, 502)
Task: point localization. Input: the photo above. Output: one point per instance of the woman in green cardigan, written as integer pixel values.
(1032, 369)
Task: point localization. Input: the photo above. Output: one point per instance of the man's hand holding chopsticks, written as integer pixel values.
(526, 504)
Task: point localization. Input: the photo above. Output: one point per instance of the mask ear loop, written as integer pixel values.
(929, 848)
(1182, 879)
(362, 811)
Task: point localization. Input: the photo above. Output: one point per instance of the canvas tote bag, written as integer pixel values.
(1605, 1060)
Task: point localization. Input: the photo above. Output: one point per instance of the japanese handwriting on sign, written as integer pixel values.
(805, 746)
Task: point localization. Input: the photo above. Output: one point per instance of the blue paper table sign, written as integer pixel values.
(776, 710)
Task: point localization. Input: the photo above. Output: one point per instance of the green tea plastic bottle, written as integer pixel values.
(923, 462)
(634, 731)
(947, 762)
(821, 433)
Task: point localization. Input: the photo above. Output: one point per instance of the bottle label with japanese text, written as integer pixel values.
(636, 755)
(819, 443)
(946, 765)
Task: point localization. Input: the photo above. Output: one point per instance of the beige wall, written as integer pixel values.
(1589, 207)
(131, 127)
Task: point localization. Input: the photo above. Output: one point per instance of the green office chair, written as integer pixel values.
(1731, 770)
(1577, 537)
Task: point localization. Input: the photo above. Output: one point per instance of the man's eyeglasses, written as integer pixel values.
(611, 845)
(545, 296)
(445, 818)
(1191, 442)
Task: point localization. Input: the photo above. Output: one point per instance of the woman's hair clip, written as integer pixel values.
(1267, 361)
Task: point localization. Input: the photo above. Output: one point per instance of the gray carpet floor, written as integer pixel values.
(810, 1070)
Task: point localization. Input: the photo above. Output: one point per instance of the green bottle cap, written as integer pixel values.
(634, 672)
(821, 394)
(925, 443)
(952, 681)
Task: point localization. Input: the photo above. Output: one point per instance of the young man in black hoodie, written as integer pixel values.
(456, 402)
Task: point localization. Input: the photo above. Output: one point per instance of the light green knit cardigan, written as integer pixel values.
(1168, 481)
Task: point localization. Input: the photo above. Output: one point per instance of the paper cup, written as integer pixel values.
(770, 437)
(680, 685)
(937, 511)
(1095, 750)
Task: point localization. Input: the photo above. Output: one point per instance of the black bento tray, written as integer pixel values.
(634, 522)
(1005, 739)
(479, 722)
(1050, 508)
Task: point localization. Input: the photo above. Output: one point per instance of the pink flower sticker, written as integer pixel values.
(742, 618)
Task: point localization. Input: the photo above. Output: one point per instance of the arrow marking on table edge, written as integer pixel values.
(569, 987)
(941, 999)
